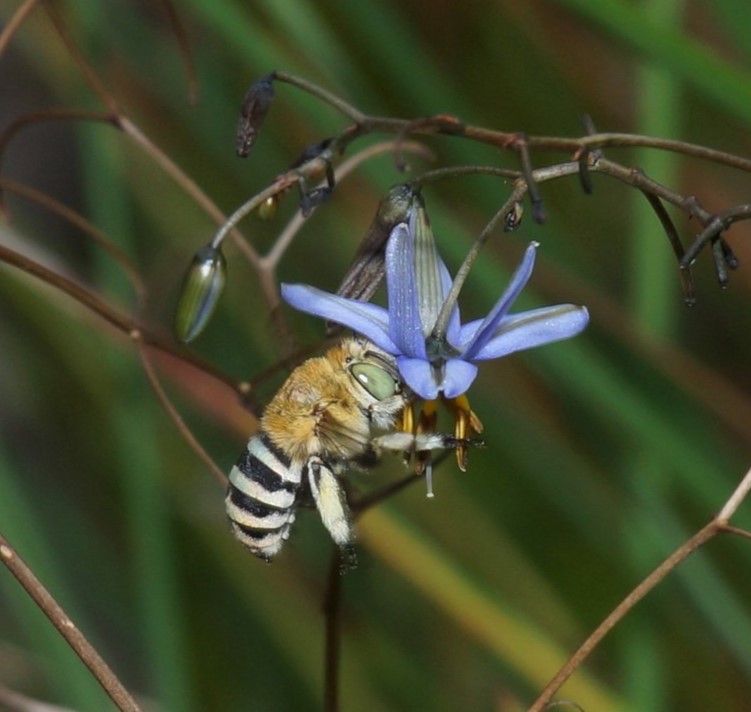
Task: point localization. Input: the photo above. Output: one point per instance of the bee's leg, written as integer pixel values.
(444, 441)
(383, 413)
(330, 501)
(408, 442)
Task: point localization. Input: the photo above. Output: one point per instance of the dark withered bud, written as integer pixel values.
(367, 268)
(203, 285)
(513, 218)
(311, 152)
(253, 111)
(310, 199)
(731, 259)
(585, 179)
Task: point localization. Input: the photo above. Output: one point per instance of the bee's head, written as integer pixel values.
(371, 368)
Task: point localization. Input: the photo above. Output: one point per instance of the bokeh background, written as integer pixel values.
(603, 454)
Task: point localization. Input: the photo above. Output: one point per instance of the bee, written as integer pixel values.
(320, 423)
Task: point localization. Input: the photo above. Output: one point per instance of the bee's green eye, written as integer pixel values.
(374, 380)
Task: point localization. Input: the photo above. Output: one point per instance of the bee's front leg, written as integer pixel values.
(400, 441)
(384, 413)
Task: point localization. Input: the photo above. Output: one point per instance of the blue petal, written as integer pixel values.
(405, 329)
(458, 376)
(431, 287)
(367, 319)
(419, 375)
(474, 344)
(534, 328)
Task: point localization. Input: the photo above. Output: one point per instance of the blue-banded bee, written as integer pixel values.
(321, 422)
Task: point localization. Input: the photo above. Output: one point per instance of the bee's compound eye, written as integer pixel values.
(375, 380)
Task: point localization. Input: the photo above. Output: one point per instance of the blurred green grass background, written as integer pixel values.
(604, 453)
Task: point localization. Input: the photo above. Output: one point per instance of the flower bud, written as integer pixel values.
(255, 106)
(267, 209)
(203, 285)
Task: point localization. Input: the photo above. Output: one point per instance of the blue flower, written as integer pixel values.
(435, 359)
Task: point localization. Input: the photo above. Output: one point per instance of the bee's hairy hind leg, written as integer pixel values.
(330, 501)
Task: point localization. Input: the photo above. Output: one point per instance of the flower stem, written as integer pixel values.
(441, 324)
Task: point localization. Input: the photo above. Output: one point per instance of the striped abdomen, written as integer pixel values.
(261, 497)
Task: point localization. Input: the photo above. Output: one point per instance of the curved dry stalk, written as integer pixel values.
(67, 629)
(719, 523)
(186, 183)
(585, 150)
(172, 411)
(23, 11)
(274, 255)
(122, 322)
(59, 114)
(85, 226)
(327, 97)
(117, 118)
(184, 47)
(12, 701)
(89, 75)
(452, 126)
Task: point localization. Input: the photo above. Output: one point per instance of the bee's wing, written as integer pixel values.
(367, 268)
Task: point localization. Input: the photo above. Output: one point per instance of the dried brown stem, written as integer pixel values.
(122, 322)
(333, 632)
(82, 224)
(173, 413)
(89, 75)
(184, 47)
(67, 629)
(720, 523)
(586, 150)
(116, 117)
(23, 11)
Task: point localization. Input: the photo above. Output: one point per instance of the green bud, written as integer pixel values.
(203, 285)
(267, 209)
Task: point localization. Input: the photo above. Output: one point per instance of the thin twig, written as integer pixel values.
(89, 75)
(122, 322)
(12, 701)
(451, 126)
(173, 413)
(718, 524)
(268, 264)
(731, 506)
(23, 11)
(333, 633)
(327, 97)
(186, 183)
(65, 626)
(85, 226)
(373, 499)
(183, 44)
